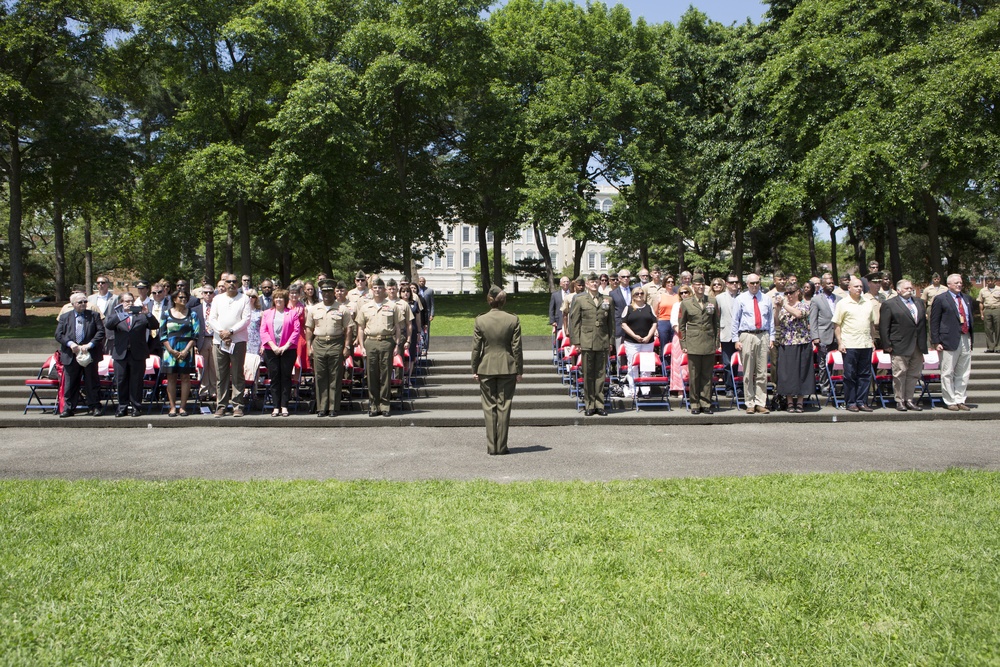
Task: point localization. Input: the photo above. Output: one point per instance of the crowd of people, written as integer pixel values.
(780, 335)
(202, 340)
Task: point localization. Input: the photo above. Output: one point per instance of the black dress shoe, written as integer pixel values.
(133, 412)
(588, 413)
(96, 411)
(385, 413)
(708, 411)
(601, 412)
(865, 408)
(912, 405)
(373, 414)
(332, 413)
(900, 407)
(69, 413)
(321, 414)
(121, 412)
(696, 411)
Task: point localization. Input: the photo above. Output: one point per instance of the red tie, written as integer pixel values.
(758, 324)
(961, 314)
(128, 322)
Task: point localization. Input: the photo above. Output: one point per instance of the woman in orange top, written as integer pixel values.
(665, 303)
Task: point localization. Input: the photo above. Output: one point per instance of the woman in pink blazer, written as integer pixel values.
(280, 330)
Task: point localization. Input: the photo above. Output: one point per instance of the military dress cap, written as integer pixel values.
(327, 285)
(144, 284)
(593, 276)
(360, 275)
(340, 284)
(698, 278)
(378, 283)
(392, 282)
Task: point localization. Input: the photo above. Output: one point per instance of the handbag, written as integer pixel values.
(83, 358)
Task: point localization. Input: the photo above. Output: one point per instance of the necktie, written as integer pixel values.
(913, 309)
(961, 314)
(758, 323)
(128, 322)
(79, 328)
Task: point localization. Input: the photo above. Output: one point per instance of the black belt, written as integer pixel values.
(754, 331)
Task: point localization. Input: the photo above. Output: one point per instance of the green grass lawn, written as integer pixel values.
(455, 314)
(39, 326)
(866, 569)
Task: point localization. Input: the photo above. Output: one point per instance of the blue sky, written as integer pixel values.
(658, 11)
(723, 11)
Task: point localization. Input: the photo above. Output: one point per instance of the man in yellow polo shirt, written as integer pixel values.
(854, 319)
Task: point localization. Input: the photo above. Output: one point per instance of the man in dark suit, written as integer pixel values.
(427, 294)
(951, 336)
(821, 326)
(902, 328)
(130, 351)
(556, 302)
(80, 329)
(591, 327)
(621, 296)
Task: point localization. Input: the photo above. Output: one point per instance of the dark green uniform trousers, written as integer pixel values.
(594, 366)
(700, 368)
(497, 396)
(328, 370)
(378, 369)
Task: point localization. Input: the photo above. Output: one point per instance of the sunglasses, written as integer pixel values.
(230, 281)
(684, 293)
(102, 282)
(157, 291)
(733, 282)
(671, 281)
(754, 283)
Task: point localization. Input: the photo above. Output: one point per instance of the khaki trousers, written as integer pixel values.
(754, 355)
(956, 366)
(906, 375)
(594, 366)
(378, 369)
(328, 373)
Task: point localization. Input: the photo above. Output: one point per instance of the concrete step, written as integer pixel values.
(519, 417)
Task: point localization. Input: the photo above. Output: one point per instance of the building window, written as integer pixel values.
(606, 206)
(451, 259)
(465, 233)
(437, 261)
(604, 261)
(489, 236)
(529, 235)
(591, 260)
(555, 260)
(466, 259)
(449, 235)
(517, 256)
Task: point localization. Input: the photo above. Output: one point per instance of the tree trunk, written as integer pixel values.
(243, 216)
(328, 266)
(59, 245)
(209, 251)
(498, 272)
(484, 261)
(286, 267)
(18, 315)
(644, 255)
(229, 242)
(680, 225)
(878, 235)
(811, 235)
(542, 243)
(892, 234)
(578, 248)
(933, 240)
(88, 253)
(739, 243)
(834, 269)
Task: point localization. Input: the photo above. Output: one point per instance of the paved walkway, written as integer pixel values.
(555, 453)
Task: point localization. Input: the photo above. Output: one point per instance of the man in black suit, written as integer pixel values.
(621, 296)
(130, 351)
(555, 304)
(80, 329)
(951, 335)
(902, 328)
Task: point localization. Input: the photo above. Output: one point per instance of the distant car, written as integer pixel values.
(44, 298)
(5, 301)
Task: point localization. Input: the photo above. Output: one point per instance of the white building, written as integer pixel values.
(453, 270)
